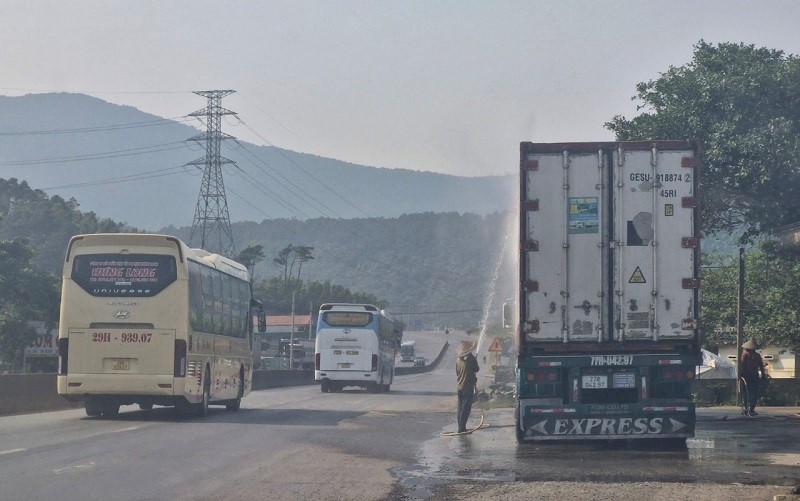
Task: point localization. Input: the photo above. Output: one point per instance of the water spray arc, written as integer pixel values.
(491, 292)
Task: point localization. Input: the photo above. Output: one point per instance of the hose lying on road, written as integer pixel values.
(469, 431)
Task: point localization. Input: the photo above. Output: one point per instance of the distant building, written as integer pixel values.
(778, 362)
(789, 236)
(280, 327)
(41, 354)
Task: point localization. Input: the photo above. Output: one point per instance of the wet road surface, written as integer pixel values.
(728, 449)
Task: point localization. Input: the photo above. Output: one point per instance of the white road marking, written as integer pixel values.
(86, 466)
(127, 429)
(12, 451)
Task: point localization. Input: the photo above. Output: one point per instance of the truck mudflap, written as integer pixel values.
(580, 422)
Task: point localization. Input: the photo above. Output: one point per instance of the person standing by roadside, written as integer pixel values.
(466, 369)
(750, 366)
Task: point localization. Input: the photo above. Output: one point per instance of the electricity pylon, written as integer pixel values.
(211, 219)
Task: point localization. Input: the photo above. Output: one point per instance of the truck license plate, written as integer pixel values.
(121, 365)
(594, 382)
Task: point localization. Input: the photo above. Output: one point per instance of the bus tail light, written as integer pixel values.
(180, 358)
(316, 361)
(63, 355)
(374, 362)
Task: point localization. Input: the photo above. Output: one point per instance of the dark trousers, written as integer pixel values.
(751, 392)
(465, 398)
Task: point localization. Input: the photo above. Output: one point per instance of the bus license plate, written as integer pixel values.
(345, 366)
(594, 382)
(121, 365)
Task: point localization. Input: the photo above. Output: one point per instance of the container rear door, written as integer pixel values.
(655, 244)
(562, 243)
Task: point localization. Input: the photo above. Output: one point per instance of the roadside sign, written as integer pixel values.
(496, 346)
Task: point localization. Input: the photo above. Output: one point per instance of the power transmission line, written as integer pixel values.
(310, 199)
(259, 108)
(175, 145)
(181, 169)
(302, 169)
(101, 128)
(79, 91)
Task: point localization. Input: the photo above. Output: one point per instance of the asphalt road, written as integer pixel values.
(298, 443)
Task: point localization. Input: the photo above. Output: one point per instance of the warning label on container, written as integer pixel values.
(638, 320)
(637, 277)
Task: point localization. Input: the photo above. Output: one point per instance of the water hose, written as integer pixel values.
(467, 432)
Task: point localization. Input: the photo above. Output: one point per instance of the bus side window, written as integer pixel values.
(244, 307)
(208, 299)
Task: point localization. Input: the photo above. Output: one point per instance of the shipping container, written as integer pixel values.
(609, 290)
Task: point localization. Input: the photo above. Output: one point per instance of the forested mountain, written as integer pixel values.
(46, 222)
(131, 166)
(418, 263)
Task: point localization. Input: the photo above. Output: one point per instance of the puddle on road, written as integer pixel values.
(784, 459)
(715, 455)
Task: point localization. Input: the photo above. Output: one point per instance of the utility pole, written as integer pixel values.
(310, 319)
(291, 339)
(739, 320)
(211, 219)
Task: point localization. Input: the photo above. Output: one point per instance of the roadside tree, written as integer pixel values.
(743, 103)
(772, 293)
(25, 294)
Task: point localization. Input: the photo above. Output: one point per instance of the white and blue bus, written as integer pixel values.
(356, 346)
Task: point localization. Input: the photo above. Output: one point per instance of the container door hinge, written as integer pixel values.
(690, 162)
(530, 286)
(690, 243)
(690, 202)
(529, 245)
(690, 283)
(531, 326)
(530, 205)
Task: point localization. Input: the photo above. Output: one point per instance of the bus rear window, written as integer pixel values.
(347, 318)
(123, 275)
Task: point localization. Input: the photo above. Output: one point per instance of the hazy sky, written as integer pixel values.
(431, 85)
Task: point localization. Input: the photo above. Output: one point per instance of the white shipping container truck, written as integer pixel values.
(609, 290)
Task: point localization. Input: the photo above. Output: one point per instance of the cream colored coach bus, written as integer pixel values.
(146, 320)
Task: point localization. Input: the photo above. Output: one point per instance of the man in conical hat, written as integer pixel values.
(466, 370)
(750, 366)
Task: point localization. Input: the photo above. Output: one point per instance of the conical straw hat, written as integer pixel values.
(465, 347)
